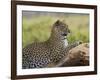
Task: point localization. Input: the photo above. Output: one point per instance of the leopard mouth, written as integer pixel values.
(64, 37)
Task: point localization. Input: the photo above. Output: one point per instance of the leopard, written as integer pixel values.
(44, 54)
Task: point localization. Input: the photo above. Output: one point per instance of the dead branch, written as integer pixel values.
(78, 56)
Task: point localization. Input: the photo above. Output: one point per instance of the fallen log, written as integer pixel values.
(78, 56)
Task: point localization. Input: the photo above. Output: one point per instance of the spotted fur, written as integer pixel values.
(39, 55)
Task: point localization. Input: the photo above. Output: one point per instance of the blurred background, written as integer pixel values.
(37, 26)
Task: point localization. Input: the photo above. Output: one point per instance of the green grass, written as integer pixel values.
(38, 29)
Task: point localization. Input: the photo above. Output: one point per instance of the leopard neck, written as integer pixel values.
(55, 40)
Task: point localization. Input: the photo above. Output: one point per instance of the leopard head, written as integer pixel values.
(60, 29)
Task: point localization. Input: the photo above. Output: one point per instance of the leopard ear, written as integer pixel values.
(57, 22)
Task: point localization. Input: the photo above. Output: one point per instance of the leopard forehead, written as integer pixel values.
(60, 27)
(60, 23)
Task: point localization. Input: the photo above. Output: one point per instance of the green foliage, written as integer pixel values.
(38, 29)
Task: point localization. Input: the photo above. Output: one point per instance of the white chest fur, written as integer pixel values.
(65, 42)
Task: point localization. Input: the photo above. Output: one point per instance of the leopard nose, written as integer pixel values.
(64, 34)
